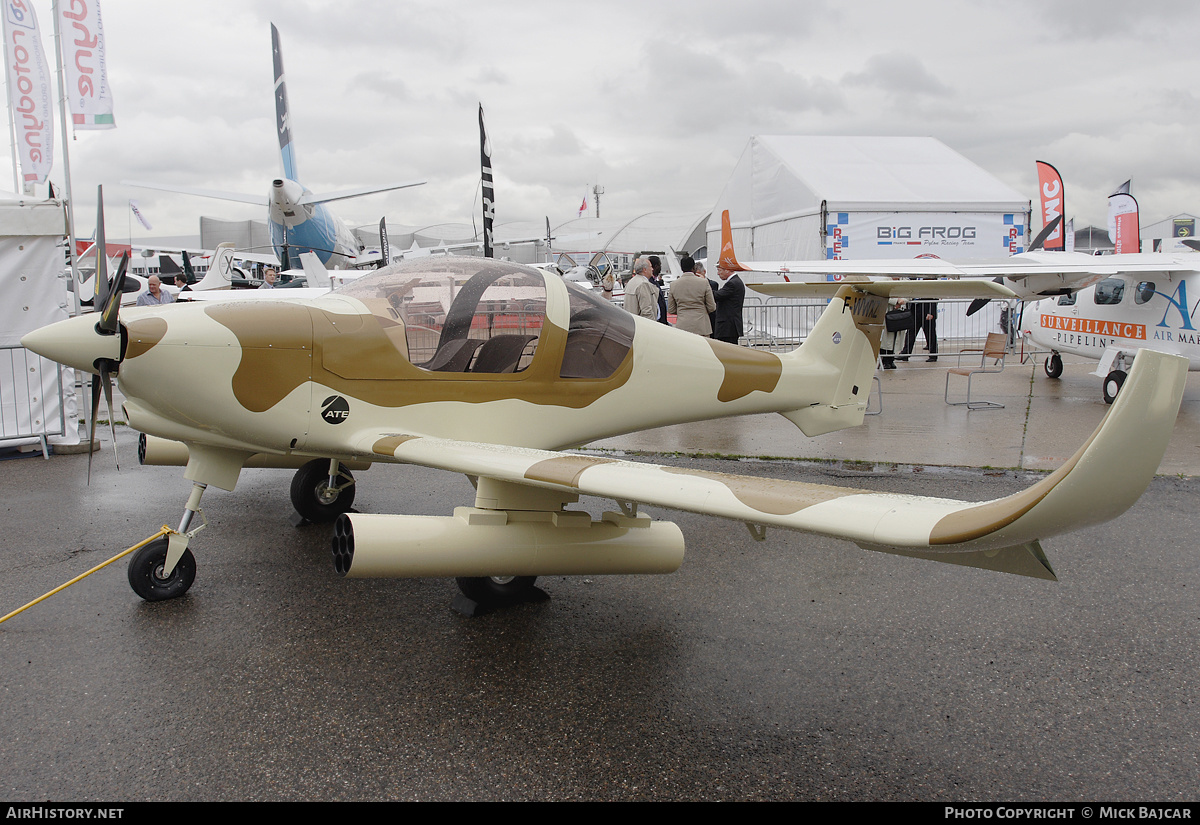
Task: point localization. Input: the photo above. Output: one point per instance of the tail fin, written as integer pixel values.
(220, 270)
(315, 272)
(844, 347)
(728, 259)
(283, 125)
(187, 268)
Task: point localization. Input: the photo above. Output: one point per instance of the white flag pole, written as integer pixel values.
(12, 123)
(62, 110)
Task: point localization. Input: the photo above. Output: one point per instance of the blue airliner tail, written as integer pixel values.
(283, 125)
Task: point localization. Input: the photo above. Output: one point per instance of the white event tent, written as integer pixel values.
(802, 197)
(31, 280)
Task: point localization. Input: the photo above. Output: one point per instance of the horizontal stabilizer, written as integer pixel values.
(310, 198)
(240, 197)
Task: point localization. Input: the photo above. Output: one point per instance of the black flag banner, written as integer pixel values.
(489, 192)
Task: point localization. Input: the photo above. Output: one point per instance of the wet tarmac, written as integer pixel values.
(793, 668)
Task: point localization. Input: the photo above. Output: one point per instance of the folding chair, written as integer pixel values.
(994, 350)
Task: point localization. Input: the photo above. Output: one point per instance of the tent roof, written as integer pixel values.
(20, 216)
(785, 176)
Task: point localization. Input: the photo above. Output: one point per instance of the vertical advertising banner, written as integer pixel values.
(29, 97)
(88, 94)
(489, 191)
(1050, 193)
(1123, 228)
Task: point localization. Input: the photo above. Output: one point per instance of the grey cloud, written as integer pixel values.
(898, 73)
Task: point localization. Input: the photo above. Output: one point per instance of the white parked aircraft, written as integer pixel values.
(1142, 304)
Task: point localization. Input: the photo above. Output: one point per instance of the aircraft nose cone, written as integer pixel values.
(74, 342)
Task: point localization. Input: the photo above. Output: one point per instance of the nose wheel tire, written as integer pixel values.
(146, 572)
(1054, 366)
(312, 496)
(1112, 385)
(495, 590)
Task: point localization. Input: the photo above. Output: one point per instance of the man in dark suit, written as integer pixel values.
(730, 298)
(702, 271)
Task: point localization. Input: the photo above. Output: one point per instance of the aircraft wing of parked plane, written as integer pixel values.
(488, 368)
(1030, 275)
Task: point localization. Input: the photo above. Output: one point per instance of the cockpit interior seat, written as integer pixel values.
(501, 353)
(454, 356)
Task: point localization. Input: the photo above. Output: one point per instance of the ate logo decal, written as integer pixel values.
(335, 409)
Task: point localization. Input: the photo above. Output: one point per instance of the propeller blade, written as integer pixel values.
(112, 307)
(385, 252)
(92, 423)
(976, 305)
(1041, 236)
(980, 303)
(101, 282)
(106, 381)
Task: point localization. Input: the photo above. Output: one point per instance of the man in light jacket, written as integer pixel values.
(641, 296)
(691, 300)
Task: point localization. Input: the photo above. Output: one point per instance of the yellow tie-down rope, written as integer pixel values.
(164, 531)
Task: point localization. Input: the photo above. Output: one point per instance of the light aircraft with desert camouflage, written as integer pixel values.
(489, 368)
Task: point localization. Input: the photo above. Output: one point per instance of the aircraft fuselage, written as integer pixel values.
(1147, 311)
(307, 228)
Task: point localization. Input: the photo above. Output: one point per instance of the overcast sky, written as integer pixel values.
(653, 100)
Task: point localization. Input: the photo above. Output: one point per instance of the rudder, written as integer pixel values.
(845, 339)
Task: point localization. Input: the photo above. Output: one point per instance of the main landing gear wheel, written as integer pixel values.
(312, 496)
(1053, 365)
(1112, 385)
(146, 572)
(496, 591)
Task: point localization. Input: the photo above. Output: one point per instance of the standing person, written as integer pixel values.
(702, 271)
(890, 340)
(691, 299)
(154, 295)
(641, 296)
(730, 298)
(924, 319)
(657, 280)
(268, 279)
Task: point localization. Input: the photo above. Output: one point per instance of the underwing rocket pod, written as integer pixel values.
(476, 542)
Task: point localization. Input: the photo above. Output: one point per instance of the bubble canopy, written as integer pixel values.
(477, 315)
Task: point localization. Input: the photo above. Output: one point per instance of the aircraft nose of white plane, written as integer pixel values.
(74, 342)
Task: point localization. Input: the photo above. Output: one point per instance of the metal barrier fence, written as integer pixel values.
(784, 323)
(31, 397)
(780, 322)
